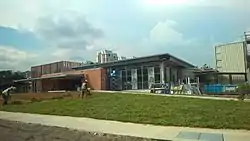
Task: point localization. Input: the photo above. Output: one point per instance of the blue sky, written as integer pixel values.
(44, 30)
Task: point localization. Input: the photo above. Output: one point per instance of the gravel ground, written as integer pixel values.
(17, 131)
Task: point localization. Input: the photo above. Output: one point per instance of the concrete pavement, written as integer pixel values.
(130, 129)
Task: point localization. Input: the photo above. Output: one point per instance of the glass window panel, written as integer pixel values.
(145, 85)
(139, 85)
(129, 72)
(157, 70)
(157, 78)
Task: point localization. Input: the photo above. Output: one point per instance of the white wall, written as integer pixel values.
(230, 57)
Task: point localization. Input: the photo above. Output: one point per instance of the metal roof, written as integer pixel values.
(152, 58)
(48, 77)
(230, 43)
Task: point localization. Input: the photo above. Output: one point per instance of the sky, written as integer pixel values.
(34, 32)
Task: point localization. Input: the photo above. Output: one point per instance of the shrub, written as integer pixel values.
(243, 89)
(58, 97)
(67, 95)
(17, 102)
(35, 100)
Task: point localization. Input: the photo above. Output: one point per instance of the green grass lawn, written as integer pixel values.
(176, 111)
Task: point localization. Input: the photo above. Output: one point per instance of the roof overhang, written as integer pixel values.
(155, 58)
(51, 76)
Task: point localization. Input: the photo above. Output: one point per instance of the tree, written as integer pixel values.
(7, 77)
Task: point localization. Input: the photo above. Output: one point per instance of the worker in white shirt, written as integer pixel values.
(85, 90)
(6, 94)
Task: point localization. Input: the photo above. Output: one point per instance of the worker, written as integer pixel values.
(84, 89)
(6, 94)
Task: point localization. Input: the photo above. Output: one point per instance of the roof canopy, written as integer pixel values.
(52, 76)
(153, 58)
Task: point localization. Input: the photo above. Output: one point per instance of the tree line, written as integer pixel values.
(8, 76)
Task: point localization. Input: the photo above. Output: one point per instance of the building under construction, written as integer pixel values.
(233, 61)
(135, 73)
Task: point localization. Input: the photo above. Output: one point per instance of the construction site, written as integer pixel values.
(163, 73)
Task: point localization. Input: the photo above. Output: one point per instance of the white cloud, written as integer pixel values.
(173, 4)
(67, 36)
(19, 13)
(165, 34)
(12, 58)
(163, 37)
(68, 30)
(24, 13)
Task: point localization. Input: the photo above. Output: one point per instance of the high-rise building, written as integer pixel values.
(122, 58)
(106, 56)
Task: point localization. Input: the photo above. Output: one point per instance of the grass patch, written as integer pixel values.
(174, 111)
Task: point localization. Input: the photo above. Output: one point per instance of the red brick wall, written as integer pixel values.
(96, 77)
(104, 79)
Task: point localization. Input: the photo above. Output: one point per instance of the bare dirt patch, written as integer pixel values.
(38, 97)
(17, 131)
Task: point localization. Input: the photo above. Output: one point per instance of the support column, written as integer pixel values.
(142, 77)
(134, 79)
(151, 76)
(168, 74)
(230, 79)
(162, 71)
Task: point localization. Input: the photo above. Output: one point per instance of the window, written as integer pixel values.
(157, 70)
(145, 85)
(139, 85)
(157, 74)
(139, 75)
(129, 79)
(139, 78)
(165, 75)
(129, 72)
(145, 74)
(145, 78)
(157, 78)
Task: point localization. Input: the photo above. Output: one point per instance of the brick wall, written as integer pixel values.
(97, 79)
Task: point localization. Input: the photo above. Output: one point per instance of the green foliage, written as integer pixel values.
(243, 88)
(7, 77)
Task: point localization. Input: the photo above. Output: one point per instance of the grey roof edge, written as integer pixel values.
(48, 77)
(137, 58)
(229, 43)
(183, 61)
(55, 62)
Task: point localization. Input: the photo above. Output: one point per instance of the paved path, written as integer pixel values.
(128, 129)
(189, 96)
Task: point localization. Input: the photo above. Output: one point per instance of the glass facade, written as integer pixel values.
(142, 76)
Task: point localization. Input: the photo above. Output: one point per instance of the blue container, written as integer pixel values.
(217, 88)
